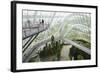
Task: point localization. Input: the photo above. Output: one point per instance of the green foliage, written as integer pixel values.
(80, 57)
(51, 49)
(78, 54)
(83, 42)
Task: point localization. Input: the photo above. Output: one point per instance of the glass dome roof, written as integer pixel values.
(41, 25)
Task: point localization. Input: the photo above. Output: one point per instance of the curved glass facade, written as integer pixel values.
(71, 32)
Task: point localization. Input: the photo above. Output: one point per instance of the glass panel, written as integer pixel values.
(62, 26)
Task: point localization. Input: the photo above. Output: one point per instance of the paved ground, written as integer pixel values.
(65, 52)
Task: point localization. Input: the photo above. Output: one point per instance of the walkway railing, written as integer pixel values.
(31, 31)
